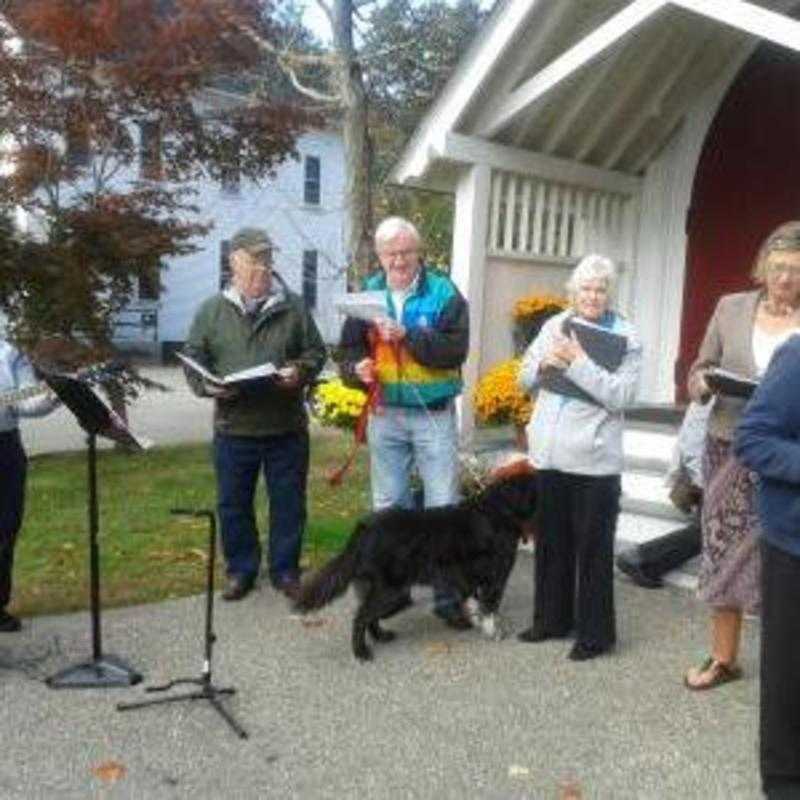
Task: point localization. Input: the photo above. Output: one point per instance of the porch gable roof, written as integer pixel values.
(604, 83)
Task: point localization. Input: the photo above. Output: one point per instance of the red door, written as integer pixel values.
(747, 183)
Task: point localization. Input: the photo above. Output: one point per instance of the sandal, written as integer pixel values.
(718, 672)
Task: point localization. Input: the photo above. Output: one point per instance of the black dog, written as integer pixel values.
(471, 547)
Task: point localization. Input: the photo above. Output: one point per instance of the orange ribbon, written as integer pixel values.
(373, 404)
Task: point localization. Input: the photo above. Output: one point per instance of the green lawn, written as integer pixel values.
(147, 554)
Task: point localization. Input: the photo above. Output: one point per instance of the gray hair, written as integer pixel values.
(390, 227)
(590, 268)
(785, 237)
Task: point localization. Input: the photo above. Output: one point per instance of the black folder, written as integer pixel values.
(731, 384)
(606, 348)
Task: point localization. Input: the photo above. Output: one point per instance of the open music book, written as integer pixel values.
(723, 381)
(257, 373)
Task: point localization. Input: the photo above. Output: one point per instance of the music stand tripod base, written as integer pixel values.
(100, 673)
(208, 691)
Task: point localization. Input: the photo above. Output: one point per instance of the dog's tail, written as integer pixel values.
(333, 579)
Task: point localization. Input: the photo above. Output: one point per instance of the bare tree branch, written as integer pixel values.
(307, 90)
(300, 59)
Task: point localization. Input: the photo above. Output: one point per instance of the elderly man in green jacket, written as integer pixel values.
(260, 425)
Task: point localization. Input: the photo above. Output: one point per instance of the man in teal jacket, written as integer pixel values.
(263, 426)
(415, 357)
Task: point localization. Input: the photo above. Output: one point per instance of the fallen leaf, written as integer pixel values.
(313, 622)
(109, 771)
(570, 791)
(438, 649)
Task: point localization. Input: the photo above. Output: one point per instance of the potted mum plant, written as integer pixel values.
(336, 405)
(530, 313)
(498, 399)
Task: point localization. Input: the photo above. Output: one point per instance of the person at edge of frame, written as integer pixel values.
(16, 372)
(646, 564)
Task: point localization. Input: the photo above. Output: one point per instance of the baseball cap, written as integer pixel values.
(254, 240)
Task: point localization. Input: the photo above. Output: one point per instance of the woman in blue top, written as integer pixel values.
(768, 442)
(576, 446)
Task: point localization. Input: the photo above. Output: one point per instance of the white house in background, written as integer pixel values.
(303, 210)
(662, 133)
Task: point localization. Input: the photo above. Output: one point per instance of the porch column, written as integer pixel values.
(468, 270)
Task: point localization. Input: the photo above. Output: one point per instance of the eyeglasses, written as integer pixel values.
(779, 268)
(391, 255)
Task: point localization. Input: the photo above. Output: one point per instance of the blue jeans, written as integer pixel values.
(401, 438)
(284, 460)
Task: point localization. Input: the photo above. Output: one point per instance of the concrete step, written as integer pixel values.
(646, 494)
(649, 443)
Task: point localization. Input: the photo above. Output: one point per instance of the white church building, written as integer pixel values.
(662, 133)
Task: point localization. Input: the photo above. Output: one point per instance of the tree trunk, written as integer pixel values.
(358, 200)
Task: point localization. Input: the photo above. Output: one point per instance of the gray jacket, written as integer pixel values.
(574, 435)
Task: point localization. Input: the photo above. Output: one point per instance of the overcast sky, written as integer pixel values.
(315, 18)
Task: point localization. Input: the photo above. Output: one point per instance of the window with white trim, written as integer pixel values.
(312, 185)
(310, 263)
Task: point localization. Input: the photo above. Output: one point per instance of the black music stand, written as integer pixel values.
(208, 691)
(96, 419)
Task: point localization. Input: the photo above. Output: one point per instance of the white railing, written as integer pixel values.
(532, 217)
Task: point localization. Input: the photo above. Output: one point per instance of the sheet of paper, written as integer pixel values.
(367, 306)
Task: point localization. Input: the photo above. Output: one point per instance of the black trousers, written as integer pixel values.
(665, 553)
(780, 672)
(577, 519)
(13, 468)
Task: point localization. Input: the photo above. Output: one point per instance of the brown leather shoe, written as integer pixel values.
(290, 588)
(236, 587)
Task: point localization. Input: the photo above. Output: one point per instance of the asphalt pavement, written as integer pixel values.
(438, 714)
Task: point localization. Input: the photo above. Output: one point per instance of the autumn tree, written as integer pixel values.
(103, 132)
(387, 61)
(412, 49)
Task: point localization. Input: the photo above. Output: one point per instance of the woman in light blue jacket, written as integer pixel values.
(575, 438)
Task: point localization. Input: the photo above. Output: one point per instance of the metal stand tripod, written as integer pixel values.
(100, 671)
(208, 691)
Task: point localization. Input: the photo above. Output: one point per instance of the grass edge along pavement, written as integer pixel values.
(146, 554)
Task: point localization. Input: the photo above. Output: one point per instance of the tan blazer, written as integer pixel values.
(728, 343)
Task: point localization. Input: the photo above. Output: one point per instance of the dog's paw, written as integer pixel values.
(495, 627)
(363, 654)
(382, 635)
(472, 610)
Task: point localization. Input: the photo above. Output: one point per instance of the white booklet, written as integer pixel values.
(259, 372)
(367, 306)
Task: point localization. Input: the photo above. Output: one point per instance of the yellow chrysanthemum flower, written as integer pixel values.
(337, 405)
(531, 305)
(498, 398)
